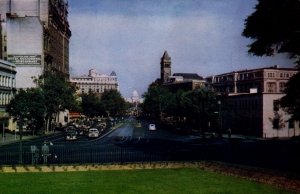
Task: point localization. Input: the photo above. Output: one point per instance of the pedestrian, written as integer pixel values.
(229, 133)
(45, 152)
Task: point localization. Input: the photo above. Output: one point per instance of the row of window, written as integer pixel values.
(281, 75)
(272, 87)
(7, 81)
(95, 80)
(253, 75)
(97, 90)
(5, 98)
(98, 86)
(95, 83)
(241, 76)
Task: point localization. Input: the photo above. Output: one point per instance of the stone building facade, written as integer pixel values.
(252, 98)
(7, 90)
(35, 36)
(184, 81)
(96, 83)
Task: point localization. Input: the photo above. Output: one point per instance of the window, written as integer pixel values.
(281, 86)
(271, 87)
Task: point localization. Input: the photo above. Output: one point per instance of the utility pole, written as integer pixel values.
(220, 118)
(20, 145)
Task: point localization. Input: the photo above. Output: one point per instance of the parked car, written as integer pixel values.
(93, 132)
(152, 127)
(71, 135)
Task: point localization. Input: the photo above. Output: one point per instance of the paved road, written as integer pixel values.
(130, 143)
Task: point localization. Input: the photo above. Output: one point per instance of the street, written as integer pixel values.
(133, 143)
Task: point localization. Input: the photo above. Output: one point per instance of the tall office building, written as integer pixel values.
(35, 37)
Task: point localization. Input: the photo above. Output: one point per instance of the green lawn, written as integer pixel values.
(156, 181)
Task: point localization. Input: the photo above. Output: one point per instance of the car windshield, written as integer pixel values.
(71, 132)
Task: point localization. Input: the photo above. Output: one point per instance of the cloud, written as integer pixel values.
(133, 45)
(201, 38)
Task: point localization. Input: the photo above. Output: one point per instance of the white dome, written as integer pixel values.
(135, 94)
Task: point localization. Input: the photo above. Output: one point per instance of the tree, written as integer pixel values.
(275, 28)
(292, 100)
(27, 106)
(157, 100)
(113, 102)
(59, 95)
(91, 105)
(200, 105)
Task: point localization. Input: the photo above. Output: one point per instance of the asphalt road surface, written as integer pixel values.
(136, 143)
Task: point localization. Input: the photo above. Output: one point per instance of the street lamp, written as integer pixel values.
(220, 118)
(3, 135)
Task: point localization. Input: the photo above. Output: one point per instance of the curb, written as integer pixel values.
(95, 167)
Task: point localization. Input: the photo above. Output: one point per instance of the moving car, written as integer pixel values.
(93, 132)
(152, 127)
(71, 135)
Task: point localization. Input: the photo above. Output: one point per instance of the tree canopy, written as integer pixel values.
(28, 105)
(91, 105)
(275, 28)
(292, 100)
(110, 103)
(113, 102)
(194, 107)
(157, 100)
(52, 94)
(58, 92)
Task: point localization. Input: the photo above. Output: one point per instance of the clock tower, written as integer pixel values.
(165, 67)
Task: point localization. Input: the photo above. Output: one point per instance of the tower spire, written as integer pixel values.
(165, 67)
(166, 56)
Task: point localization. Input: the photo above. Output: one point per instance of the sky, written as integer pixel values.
(130, 36)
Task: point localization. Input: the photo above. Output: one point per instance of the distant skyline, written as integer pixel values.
(130, 36)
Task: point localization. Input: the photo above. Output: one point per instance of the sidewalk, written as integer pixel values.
(11, 138)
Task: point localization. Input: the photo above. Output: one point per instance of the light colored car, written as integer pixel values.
(93, 132)
(152, 127)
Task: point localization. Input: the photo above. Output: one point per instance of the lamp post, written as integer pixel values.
(3, 135)
(220, 118)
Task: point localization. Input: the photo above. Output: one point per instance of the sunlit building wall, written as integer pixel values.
(35, 36)
(96, 83)
(251, 99)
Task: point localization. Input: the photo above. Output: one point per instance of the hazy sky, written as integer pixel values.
(130, 36)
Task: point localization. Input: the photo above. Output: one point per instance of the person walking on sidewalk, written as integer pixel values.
(45, 152)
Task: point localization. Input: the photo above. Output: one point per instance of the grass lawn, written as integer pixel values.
(155, 181)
